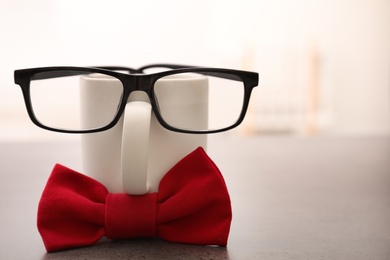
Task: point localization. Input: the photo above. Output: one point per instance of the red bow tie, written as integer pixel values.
(192, 206)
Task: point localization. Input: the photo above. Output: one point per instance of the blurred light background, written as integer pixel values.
(324, 65)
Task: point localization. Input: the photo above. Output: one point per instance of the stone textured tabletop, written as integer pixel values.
(292, 198)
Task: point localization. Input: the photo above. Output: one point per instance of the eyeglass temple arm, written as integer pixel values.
(176, 66)
(118, 68)
(58, 74)
(165, 65)
(67, 73)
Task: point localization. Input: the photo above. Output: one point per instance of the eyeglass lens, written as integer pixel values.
(199, 103)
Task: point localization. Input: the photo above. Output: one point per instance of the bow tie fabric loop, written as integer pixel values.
(192, 206)
(130, 216)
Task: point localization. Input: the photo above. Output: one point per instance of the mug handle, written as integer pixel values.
(135, 147)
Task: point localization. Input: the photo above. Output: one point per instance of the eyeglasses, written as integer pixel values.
(57, 100)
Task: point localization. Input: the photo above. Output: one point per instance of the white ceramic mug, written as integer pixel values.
(135, 154)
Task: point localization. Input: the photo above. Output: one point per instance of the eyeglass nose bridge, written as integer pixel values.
(136, 88)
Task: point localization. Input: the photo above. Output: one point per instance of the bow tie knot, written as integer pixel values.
(129, 216)
(192, 206)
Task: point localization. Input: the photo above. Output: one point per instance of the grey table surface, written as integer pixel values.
(292, 198)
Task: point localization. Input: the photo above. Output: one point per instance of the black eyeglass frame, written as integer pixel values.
(134, 80)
